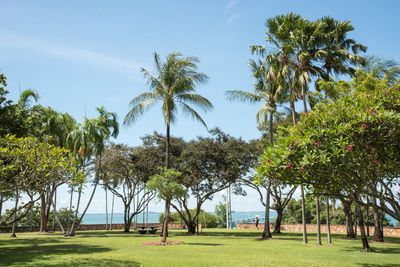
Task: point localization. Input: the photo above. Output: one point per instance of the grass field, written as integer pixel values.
(214, 248)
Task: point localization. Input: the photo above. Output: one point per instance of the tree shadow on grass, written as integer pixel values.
(23, 251)
(94, 262)
(379, 265)
(203, 244)
(379, 250)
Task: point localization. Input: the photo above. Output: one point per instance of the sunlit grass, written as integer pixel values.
(216, 247)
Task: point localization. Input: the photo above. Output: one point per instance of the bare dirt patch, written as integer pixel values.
(159, 243)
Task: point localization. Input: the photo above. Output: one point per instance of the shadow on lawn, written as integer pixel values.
(23, 251)
(203, 244)
(94, 262)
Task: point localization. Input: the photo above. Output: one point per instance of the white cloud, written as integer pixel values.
(231, 4)
(96, 59)
(232, 18)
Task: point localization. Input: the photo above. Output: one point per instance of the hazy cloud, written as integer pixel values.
(11, 40)
(232, 18)
(230, 4)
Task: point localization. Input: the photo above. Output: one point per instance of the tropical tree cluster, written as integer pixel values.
(345, 148)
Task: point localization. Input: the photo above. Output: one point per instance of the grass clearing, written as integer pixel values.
(216, 247)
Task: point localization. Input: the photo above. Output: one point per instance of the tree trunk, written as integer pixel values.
(318, 222)
(74, 223)
(70, 211)
(15, 214)
(57, 218)
(106, 209)
(43, 217)
(1, 206)
(328, 224)
(364, 239)
(267, 232)
(112, 212)
(167, 147)
(278, 221)
(126, 219)
(55, 206)
(292, 108)
(349, 220)
(303, 214)
(378, 233)
(367, 212)
(303, 92)
(191, 228)
(165, 224)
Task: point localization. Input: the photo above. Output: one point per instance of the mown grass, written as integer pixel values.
(215, 247)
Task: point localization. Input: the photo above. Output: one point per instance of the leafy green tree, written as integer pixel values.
(206, 219)
(349, 145)
(167, 189)
(129, 169)
(210, 165)
(29, 165)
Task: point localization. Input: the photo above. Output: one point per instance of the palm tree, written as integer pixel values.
(336, 48)
(280, 33)
(269, 90)
(173, 85)
(381, 68)
(90, 138)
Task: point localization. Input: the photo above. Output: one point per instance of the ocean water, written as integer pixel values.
(244, 216)
(100, 218)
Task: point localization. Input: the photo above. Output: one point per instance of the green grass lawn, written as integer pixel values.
(214, 248)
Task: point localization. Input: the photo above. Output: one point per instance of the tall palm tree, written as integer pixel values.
(88, 139)
(280, 33)
(174, 86)
(337, 52)
(269, 90)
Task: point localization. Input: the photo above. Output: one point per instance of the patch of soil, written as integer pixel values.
(159, 243)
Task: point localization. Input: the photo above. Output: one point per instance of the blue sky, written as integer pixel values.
(83, 54)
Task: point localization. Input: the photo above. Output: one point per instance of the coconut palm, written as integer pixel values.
(174, 86)
(268, 89)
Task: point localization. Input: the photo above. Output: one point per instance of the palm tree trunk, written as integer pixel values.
(303, 214)
(167, 148)
(15, 214)
(303, 92)
(303, 205)
(318, 222)
(58, 219)
(293, 111)
(70, 211)
(112, 212)
(328, 224)
(165, 224)
(267, 232)
(72, 232)
(105, 188)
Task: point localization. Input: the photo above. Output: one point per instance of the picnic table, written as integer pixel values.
(150, 230)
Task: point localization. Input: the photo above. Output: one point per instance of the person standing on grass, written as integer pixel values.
(257, 223)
